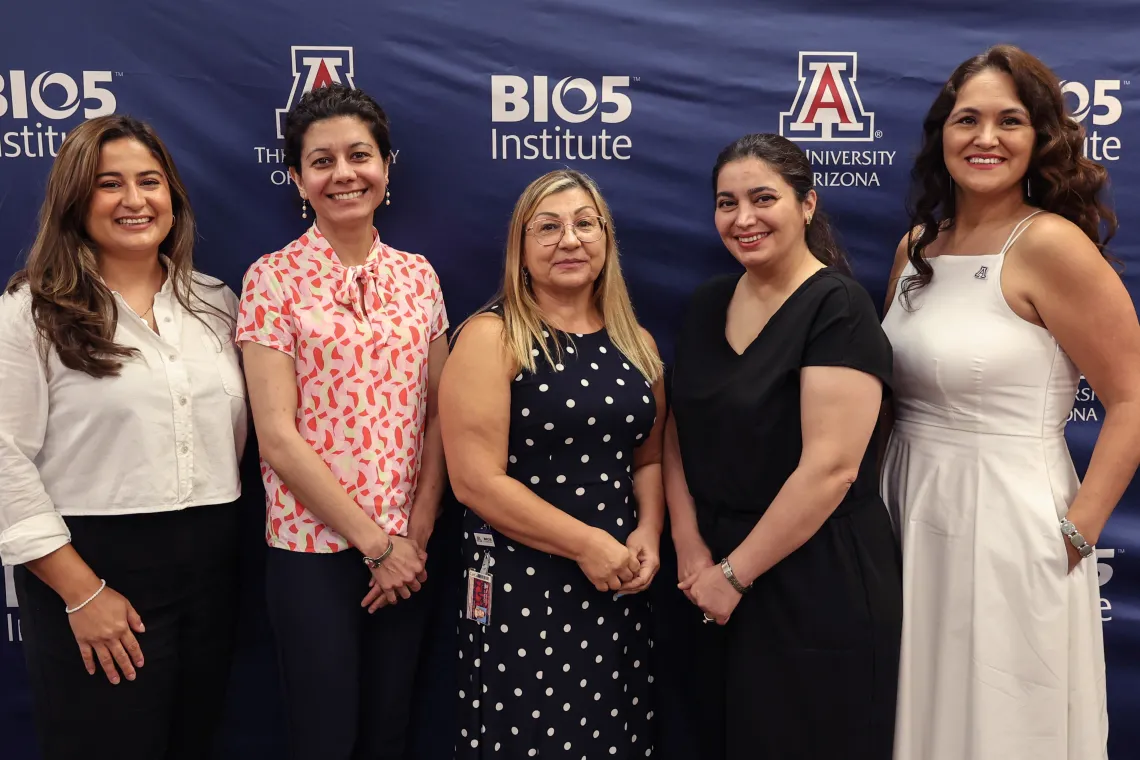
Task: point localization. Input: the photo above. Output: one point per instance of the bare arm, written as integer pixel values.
(839, 408)
(887, 412)
(475, 403)
(647, 483)
(433, 469)
(1084, 304)
(271, 378)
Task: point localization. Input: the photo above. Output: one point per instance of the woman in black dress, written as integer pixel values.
(551, 408)
(769, 470)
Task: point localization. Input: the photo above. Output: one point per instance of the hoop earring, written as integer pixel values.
(387, 196)
(304, 208)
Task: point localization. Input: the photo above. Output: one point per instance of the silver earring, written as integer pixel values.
(1028, 190)
(526, 278)
(304, 208)
(387, 197)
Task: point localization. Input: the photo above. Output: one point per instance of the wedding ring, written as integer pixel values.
(708, 619)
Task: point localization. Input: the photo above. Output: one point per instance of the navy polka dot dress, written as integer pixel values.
(562, 669)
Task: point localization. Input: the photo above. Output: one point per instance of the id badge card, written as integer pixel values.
(478, 597)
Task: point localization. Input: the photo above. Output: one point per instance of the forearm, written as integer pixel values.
(518, 513)
(67, 574)
(804, 503)
(650, 494)
(682, 508)
(432, 476)
(305, 474)
(1114, 461)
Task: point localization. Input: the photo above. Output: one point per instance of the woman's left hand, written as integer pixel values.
(645, 545)
(712, 592)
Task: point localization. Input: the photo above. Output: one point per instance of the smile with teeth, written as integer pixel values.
(128, 221)
(347, 196)
(979, 160)
(753, 238)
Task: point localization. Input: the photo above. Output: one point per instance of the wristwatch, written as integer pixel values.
(1075, 538)
(374, 562)
(726, 568)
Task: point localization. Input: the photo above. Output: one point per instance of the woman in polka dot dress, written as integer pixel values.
(551, 407)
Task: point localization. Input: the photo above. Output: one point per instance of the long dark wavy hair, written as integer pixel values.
(792, 164)
(1060, 179)
(73, 309)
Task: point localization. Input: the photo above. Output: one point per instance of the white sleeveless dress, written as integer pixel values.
(1002, 650)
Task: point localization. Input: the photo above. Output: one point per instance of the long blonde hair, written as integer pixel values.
(73, 309)
(522, 318)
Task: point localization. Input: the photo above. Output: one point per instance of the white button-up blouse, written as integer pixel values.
(165, 434)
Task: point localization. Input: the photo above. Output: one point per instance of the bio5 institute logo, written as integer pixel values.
(530, 105)
(1098, 104)
(827, 108)
(313, 68)
(31, 105)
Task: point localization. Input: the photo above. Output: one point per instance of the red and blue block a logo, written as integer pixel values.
(315, 67)
(827, 105)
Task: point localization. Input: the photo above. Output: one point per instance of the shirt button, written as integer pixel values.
(184, 448)
(166, 319)
(173, 357)
(182, 400)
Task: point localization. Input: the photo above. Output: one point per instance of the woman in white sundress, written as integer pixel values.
(1000, 292)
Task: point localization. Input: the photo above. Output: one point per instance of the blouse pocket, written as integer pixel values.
(224, 356)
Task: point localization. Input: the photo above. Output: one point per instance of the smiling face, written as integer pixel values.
(988, 140)
(130, 210)
(343, 175)
(569, 263)
(758, 215)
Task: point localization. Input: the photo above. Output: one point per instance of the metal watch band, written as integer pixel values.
(726, 568)
(1069, 530)
(374, 562)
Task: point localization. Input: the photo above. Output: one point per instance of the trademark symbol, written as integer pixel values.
(1127, 82)
(878, 133)
(638, 79)
(118, 73)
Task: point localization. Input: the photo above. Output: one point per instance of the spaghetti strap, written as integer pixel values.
(1019, 228)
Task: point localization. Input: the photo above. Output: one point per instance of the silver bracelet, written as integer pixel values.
(1069, 531)
(726, 568)
(72, 611)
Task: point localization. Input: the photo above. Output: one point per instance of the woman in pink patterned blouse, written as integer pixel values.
(343, 338)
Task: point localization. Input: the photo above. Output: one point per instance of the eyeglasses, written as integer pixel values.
(550, 231)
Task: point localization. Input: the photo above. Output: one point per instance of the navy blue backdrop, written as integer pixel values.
(640, 94)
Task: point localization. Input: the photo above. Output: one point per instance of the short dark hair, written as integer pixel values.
(790, 162)
(327, 103)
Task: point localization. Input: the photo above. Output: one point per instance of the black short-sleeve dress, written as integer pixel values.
(807, 665)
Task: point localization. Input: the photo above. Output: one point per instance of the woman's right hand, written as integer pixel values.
(400, 574)
(693, 556)
(105, 631)
(606, 561)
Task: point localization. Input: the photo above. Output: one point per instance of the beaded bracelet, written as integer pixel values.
(71, 611)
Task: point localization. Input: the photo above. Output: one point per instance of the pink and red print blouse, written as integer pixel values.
(359, 338)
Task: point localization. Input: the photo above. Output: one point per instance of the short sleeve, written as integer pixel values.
(846, 333)
(265, 313)
(439, 322)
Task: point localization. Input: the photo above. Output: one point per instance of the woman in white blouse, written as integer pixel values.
(122, 419)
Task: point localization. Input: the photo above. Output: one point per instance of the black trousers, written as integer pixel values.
(179, 571)
(348, 676)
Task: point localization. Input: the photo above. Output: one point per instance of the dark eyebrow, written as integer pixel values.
(751, 191)
(975, 112)
(119, 175)
(329, 150)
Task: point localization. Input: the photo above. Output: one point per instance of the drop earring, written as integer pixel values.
(1028, 190)
(304, 208)
(526, 278)
(387, 196)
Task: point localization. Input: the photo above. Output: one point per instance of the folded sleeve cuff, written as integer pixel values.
(32, 538)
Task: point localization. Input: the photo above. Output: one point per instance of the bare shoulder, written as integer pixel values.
(1055, 247)
(649, 338)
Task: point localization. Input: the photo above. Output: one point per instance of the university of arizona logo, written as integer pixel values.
(315, 67)
(827, 105)
(981, 273)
